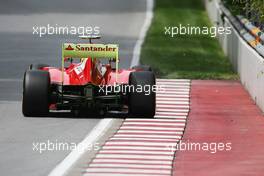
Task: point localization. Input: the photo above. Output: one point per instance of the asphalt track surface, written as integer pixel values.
(119, 21)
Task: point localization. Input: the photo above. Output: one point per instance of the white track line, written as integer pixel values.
(172, 110)
(107, 160)
(142, 139)
(172, 89)
(148, 132)
(163, 152)
(172, 99)
(153, 123)
(170, 117)
(143, 148)
(173, 106)
(145, 143)
(126, 174)
(173, 96)
(135, 156)
(152, 128)
(128, 120)
(150, 139)
(143, 32)
(172, 92)
(173, 102)
(67, 163)
(126, 171)
(149, 136)
(131, 165)
(154, 120)
(171, 113)
(176, 87)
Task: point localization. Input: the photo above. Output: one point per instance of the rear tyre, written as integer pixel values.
(36, 93)
(37, 66)
(142, 68)
(142, 103)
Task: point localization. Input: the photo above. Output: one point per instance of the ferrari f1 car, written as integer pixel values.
(89, 80)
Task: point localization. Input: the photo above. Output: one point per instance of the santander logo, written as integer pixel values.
(69, 48)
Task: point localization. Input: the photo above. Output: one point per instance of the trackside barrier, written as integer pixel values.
(255, 31)
(243, 47)
(256, 39)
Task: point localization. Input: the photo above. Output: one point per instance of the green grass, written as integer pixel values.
(184, 56)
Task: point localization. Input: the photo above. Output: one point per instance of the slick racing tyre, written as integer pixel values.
(142, 103)
(36, 93)
(37, 66)
(142, 68)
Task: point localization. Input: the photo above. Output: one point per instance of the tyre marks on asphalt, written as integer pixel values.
(146, 147)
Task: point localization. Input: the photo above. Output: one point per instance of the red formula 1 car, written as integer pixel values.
(93, 84)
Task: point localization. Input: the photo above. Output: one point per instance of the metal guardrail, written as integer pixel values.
(250, 33)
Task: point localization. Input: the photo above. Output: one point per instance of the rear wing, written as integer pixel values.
(70, 50)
